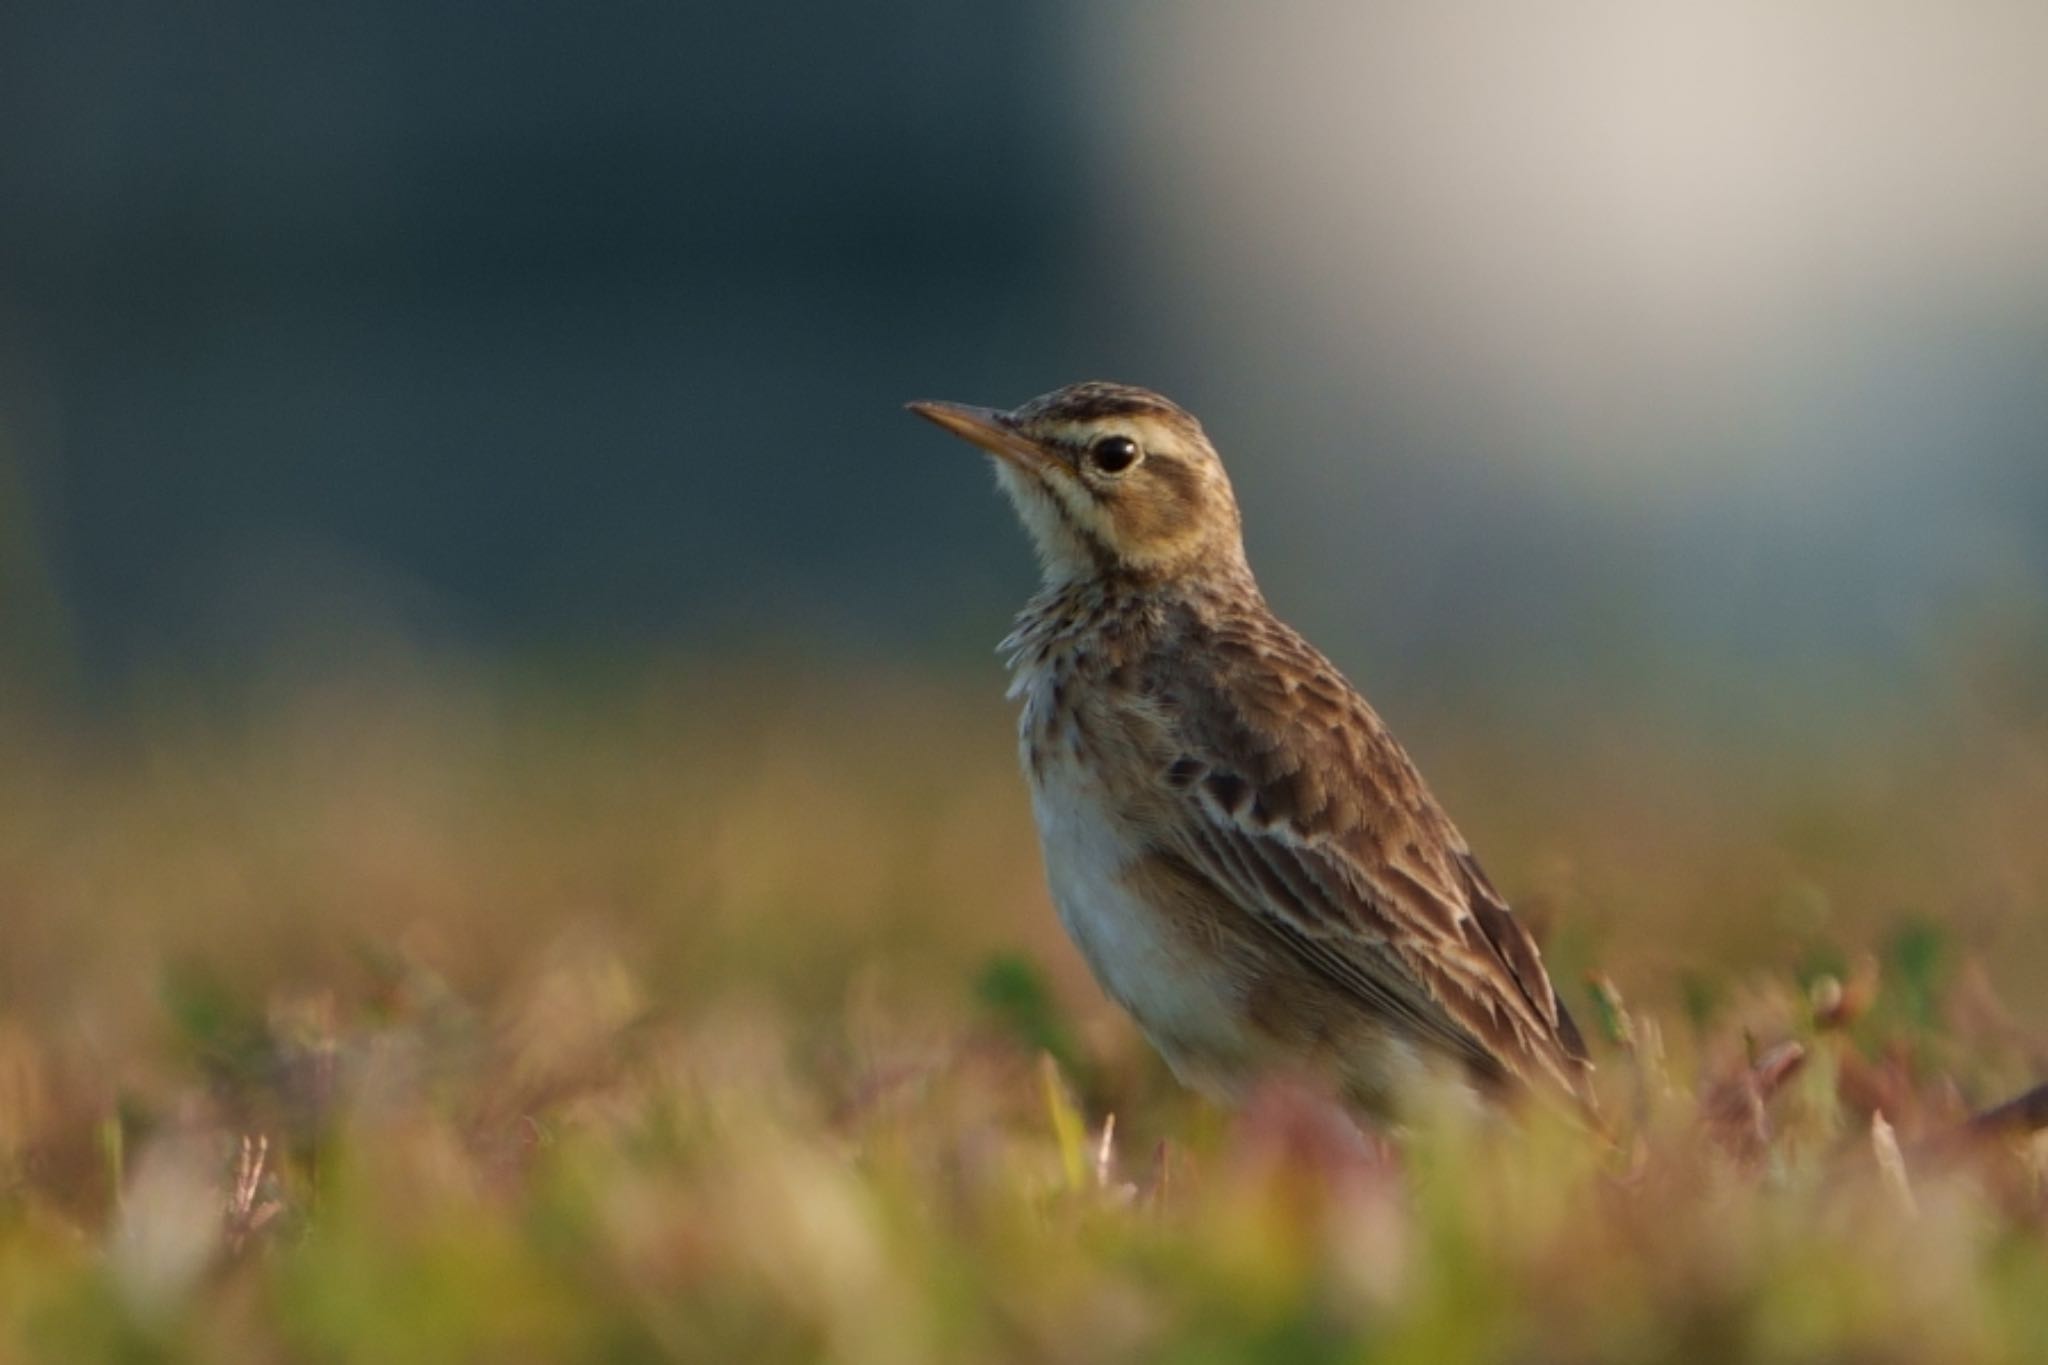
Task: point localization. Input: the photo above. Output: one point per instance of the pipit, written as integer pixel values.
(1249, 862)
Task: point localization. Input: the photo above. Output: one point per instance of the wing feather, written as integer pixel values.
(1299, 807)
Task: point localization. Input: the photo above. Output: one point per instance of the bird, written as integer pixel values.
(1247, 859)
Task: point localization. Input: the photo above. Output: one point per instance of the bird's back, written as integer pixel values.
(1251, 862)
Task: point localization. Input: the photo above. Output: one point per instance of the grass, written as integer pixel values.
(692, 1018)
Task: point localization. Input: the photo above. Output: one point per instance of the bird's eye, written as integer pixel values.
(1113, 454)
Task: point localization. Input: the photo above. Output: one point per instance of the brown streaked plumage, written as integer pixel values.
(1248, 860)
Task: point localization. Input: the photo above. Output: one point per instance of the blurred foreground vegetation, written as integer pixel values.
(716, 1017)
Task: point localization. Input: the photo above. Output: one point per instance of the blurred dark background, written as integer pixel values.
(1702, 349)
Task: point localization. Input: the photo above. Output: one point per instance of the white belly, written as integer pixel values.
(1177, 996)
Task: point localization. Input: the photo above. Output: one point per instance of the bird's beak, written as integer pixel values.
(989, 428)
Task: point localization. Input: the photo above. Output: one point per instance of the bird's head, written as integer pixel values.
(1108, 479)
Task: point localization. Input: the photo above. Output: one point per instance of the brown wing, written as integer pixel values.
(1296, 802)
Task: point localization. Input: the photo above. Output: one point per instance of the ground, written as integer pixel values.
(694, 1014)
